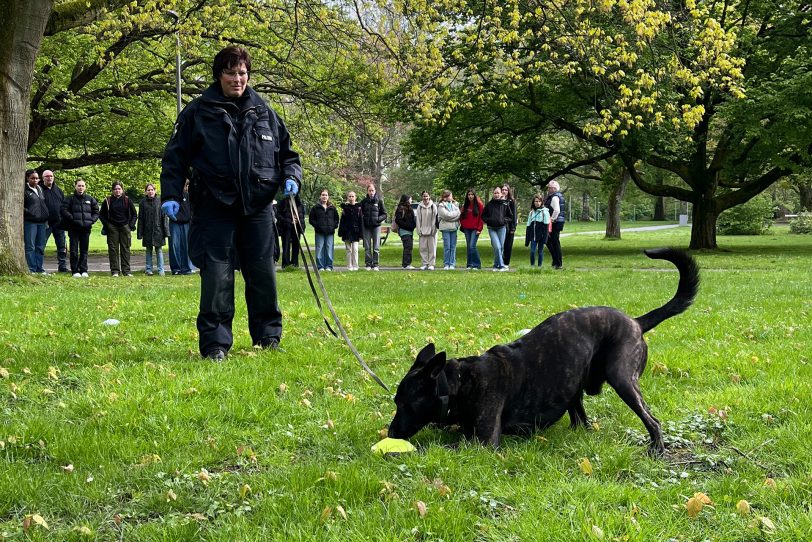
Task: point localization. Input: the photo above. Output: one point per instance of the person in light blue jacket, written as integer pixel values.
(538, 228)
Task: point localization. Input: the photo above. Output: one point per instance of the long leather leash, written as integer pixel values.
(297, 225)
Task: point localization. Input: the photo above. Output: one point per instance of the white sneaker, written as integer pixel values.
(423, 267)
(452, 267)
(85, 275)
(77, 276)
(376, 268)
(475, 269)
(445, 268)
(369, 269)
(410, 267)
(115, 274)
(431, 268)
(505, 268)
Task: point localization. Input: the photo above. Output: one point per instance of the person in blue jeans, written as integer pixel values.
(324, 219)
(448, 214)
(152, 228)
(538, 227)
(497, 216)
(35, 223)
(179, 261)
(471, 225)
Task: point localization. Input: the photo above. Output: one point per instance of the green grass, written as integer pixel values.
(138, 415)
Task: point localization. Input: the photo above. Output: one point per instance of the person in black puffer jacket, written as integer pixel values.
(497, 216)
(374, 214)
(324, 219)
(153, 228)
(349, 229)
(53, 199)
(79, 212)
(35, 222)
(406, 222)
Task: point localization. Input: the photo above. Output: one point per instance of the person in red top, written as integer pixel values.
(471, 225)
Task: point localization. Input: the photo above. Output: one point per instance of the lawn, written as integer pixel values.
(122, 433)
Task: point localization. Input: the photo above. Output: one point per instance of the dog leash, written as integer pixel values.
(297, 224)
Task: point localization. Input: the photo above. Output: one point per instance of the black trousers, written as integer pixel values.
(554, 245)
(79, 243)
(290, 245)
(219, 236)
(408, 247)
(507, 250)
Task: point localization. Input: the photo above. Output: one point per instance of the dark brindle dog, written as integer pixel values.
(530, 383)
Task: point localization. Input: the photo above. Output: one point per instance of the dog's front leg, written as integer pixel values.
(577, 412)
(488, 428)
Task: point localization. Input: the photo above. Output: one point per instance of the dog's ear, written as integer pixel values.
(435, 365)
(424, 356)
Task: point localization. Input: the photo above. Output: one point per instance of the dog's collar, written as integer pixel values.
(443, 392)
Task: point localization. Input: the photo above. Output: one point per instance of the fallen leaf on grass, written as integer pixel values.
(53, 373)
(283, 388)
(586, 466)
(597, 532)
(696, 503)
(341, 511)
(32, 520)
(83, 530)
(171, 496)
(4, 372)
(245, 490)
(204, 476)
(743, 507)
(769, 482)
(766, 524)
(68, 468)
(420, 506)
(197, 516)
(325, 514)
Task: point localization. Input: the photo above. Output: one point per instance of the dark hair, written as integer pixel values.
(533, 201)
(230, 57)
(28, 173)
(467, 202)
(115, 184)
(404, 200)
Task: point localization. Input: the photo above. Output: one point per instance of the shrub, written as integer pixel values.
(751, 218)
(801, 224)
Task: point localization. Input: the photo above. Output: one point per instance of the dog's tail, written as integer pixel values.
(686, 290)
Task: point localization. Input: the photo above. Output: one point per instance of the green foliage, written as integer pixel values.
(801, 223)
(751, 218)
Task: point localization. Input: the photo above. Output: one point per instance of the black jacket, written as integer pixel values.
(349, 228)
(79, 212)
(54, 197)
(497, 214)
(126, 210)
(236, 150)
(372, 211)
(153, 227)
(405, 219)
(324, 221)
(36, 210)
(284, 216)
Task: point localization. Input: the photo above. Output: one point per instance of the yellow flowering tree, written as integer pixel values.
(659, 85)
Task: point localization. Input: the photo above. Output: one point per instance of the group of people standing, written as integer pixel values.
(49, 211)
(362, 220)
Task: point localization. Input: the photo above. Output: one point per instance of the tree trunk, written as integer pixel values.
(613, 205)
(20, 37)
(805, 191)
(703, 230)
(659, 208)
(585, 207)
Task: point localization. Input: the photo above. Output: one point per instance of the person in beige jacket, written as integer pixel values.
(426, 214)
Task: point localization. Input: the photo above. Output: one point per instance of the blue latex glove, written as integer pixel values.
(291, 188)
(170, 208)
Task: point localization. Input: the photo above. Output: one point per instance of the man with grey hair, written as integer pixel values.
(555, 203)
(53, 199)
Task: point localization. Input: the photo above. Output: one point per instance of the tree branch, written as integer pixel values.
(95, 159)
(580, 163)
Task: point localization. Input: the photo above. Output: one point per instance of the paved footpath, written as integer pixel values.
(99, 263)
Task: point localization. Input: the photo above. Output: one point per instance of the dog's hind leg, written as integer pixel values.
(577, 412)
(629, 391)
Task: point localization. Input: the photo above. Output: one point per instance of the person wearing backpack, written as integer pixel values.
(118, 216)
(538, 225)
(555, 204)
(349, 229)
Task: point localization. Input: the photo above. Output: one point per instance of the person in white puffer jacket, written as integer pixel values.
(449, 222)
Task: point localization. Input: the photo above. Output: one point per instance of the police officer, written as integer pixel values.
(236, 151)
